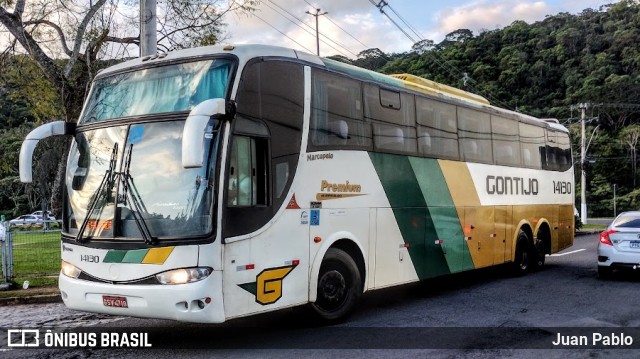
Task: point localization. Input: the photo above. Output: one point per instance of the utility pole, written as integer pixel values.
(148, 36)
(583, 158)
(615, 213)
(317, 14)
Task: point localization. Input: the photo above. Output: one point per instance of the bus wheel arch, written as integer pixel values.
(337, 280)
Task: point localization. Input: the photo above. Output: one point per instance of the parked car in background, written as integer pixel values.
(619, 245)
(26, 220)
(50, 216)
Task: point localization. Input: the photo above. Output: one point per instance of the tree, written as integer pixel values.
(371, 59)
(84, 35)
(630, 135)
(423, 45)
(69, 41)
(340, 58)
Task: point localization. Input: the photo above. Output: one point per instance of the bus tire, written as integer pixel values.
(339, 286)
(523, 256)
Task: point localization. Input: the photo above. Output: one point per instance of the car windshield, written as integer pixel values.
(627, 221)
(155, 90)
(127, 182)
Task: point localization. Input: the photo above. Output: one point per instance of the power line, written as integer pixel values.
(406, 23)
(345, 31)
(287, 36)
(380, 7)
(310, 32)
(451, 70)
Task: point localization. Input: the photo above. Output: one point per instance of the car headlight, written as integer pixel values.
(70, 270)
(183, 275)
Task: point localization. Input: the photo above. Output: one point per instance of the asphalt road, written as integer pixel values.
(485, 313)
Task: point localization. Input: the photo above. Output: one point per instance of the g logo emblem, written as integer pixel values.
(268, 285)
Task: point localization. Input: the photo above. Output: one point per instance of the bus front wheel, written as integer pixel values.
(339, 286)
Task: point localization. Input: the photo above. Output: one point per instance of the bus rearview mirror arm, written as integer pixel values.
(195, 126)
(55, 128)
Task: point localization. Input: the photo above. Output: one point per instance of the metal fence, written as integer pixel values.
(30, 252)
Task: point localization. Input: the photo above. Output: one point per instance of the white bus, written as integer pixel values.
(219, 182)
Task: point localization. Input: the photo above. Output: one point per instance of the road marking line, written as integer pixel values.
(564, 254)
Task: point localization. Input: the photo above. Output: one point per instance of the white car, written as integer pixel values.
(619, 245)
(50, 217)
(26, 220)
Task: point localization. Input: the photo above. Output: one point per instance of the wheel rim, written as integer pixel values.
(540, 252)
(332, 290)
(524, 260)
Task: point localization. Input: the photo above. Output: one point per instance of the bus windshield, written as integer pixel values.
(155, 90)
(127, 182)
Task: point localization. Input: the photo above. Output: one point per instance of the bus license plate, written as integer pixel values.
(634, 244)
(114, 301)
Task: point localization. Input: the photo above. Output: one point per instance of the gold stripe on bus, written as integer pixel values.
(157, 255)
(460, 183)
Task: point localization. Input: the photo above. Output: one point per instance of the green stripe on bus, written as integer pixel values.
(114, 256)
(411, 212)
(443, 213)
(123, 256)
(135, 256)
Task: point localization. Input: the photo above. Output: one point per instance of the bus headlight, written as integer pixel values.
(183, 275)
(70, 270)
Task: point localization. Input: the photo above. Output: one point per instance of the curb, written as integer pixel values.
(585, 233)
(33, 299)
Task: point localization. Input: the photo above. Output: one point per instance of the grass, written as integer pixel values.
(19, 292)
(593, 227)
(36, 258)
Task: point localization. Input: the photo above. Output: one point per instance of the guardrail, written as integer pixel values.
(31, 253)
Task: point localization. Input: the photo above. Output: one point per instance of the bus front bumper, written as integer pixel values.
(199, 302)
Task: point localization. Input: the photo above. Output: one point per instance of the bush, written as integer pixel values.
(578, 223)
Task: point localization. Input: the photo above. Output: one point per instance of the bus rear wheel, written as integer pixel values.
(524, 257)
(339, 286)
(540, 252)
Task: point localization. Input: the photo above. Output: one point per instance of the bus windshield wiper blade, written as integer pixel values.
(132, 195)
(105, 186)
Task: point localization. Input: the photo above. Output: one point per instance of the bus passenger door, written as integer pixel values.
(266, 248)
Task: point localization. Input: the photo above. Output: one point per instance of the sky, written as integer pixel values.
(350, 26)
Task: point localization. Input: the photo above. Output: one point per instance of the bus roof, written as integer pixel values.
(402, 81)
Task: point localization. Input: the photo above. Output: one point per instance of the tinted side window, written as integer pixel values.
(393, 117)
(506, 143)
(532, 145)
(437, 129)
(551, 151)
(474, 131)
(336, 113)
(274, 91)
(565, 161)
(248, 172)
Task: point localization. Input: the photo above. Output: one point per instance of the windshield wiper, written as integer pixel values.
(105, 187)
(131, 193)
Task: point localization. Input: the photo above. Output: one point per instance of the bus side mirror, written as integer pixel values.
(193, 133)
(31, 141)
